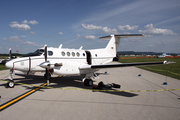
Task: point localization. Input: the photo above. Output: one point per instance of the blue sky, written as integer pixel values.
(30, 24)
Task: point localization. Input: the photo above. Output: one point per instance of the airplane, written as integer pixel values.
(163, 55)
(70, 62)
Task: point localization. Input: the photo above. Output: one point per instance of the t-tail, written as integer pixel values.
(113, 44)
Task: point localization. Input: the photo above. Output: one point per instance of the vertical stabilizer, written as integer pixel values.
(113, 44)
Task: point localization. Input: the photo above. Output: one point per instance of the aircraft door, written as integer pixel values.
(88, 57)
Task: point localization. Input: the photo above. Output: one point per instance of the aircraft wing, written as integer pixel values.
(120, 65)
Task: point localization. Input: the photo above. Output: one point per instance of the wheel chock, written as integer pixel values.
(165, 83)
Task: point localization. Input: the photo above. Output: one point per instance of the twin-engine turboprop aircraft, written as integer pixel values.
(70, 62)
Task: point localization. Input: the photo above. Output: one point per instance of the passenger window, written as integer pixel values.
(63, 53)
(77, 54)
(50, 53)
(96, 55)
(68, 53)
(83, 54)
(73, 54)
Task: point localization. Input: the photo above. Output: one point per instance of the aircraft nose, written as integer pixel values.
(9, 64)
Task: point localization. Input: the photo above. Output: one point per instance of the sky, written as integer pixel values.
(26, 25)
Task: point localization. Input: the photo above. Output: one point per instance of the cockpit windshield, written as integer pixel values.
(38, 52)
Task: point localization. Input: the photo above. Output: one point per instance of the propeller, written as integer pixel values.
(47, 71)
(10, 54)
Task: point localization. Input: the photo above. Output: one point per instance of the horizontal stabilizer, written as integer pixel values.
(121, 36)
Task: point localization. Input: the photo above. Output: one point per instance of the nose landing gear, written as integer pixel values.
(11, 84)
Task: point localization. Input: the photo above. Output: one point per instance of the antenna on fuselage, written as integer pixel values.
(81, 48)
(60, 46)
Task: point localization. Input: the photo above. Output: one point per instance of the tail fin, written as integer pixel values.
(113, 44)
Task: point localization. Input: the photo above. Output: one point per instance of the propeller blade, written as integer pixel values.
(45, 52)
(47, 76)
(10, 54)
(47, 70)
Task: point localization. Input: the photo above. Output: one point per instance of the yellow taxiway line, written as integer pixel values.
(22, 96)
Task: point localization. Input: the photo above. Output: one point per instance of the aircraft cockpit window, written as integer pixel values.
(39, 52)
(36, 53)
(68, 53)
(50, 53)
(77, 54)
(73, 54)
(63, 53)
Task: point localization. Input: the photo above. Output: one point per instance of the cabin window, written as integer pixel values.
(96, 55)
(50, 53)
(83, 54)
(68, 53)
(77, 54)
(73, 54)
(63, 53)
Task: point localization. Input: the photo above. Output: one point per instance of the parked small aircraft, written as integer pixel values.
(70, 62)
(163, 55)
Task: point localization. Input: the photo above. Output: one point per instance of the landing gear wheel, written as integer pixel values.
(88, 82)
(10, 84)
(45, 76)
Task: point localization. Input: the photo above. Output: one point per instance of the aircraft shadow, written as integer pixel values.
(61, 82)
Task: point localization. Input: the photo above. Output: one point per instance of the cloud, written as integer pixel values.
(14, 38)
(60, 33)
(90, 26)
(128, 27)
(150, 29)
(33, 22)
(33, 33)
(162, 43)
(91, 37)
(151, 45)
(104, 29)
(109, 30)
(78, 36)
(17, 39)
(23, 26)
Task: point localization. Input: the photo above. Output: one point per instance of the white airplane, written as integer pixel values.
(163, 55)
(70, 62)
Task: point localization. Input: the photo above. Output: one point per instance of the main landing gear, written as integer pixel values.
(87, 82)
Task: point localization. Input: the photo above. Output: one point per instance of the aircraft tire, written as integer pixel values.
(88, 82)
(11, 84)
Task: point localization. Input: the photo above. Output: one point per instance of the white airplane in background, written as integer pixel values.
(163, 55)
(70, 62)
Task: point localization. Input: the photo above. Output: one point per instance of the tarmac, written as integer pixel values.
(82, 104)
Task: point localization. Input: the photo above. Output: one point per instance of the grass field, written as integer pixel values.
(171, 70)
(2, 67)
